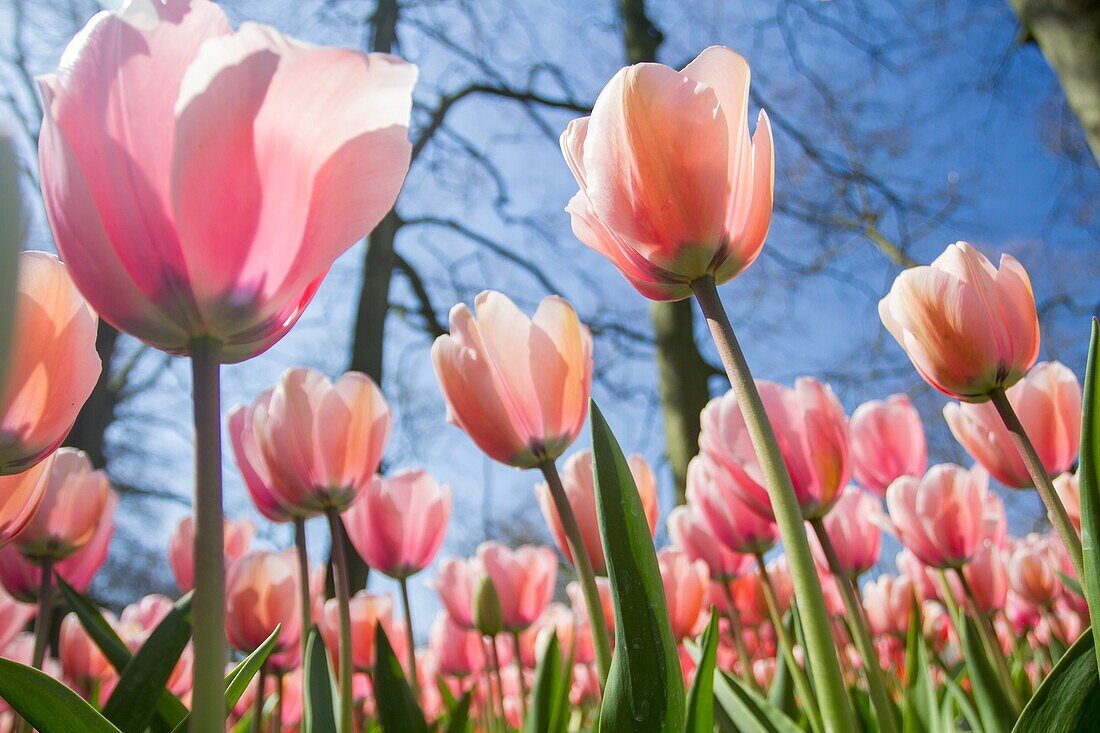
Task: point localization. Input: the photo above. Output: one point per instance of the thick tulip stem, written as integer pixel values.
(1042, 481)
(820, 650)
(208, 611)
(410, 641)
(583, 565)
(343, 602)
(857, 621)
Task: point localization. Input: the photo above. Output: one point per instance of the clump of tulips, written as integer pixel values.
(201, 180)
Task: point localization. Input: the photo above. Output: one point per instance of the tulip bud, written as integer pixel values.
(488, 615)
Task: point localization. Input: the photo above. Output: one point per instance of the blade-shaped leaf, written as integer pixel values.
(459, 717)
(1089, 485)
(994, 707)
(921, 713)
(319, 713)
(544, 715)
(700, 701)
(397, 708)
(1068, 700)
(645, 687)
(748, 709)
(46, 704)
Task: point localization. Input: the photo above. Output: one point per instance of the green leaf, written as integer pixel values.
(459, 717)
(46, 704)
(992, 700)
(700, 702)
(1089, 475)
(546, 713)
(645, 687)
(1068, 700)
(781, 692)
(319, 711)
(921, 711)
(397, 708)
(750, 711)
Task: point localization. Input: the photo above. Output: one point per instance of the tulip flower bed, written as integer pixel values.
(200, 181)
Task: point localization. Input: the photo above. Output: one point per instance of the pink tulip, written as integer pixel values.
(923, 578)
(201, 182)
(1068, 488)
(887, 442)
(53, 367)
(138, 621)
(250, 462)
(812, 432)
(987, 575)
(1033, 572)
(672, 189)
(181, 548)
(524, 579)
(456, 582)
(261, 593)
(367, 612)
(853, 533)
(692, 535)
(20, 496)
(967, 326)
(580, 608)
(14, 617)
(685, 584)
(1048, 403)
(940, 518)
(580, 488)
(889, 602)
(517, 386)
(1023, 615)
(458, 651)
(398, 523)
(319, 442)
(713, 494)
(81, 660)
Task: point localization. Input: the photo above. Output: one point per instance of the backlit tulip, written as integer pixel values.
(181, 548)
(967, 326)
(74, 501)
(201, 182)
(458, 651)
(685, 584)
(692, 535)
(398, 523)
(889, 602)
(517, 386)
(672, 188)
(81, 660)
(711, 491)
(580, 488)
(812, 431)
(1048, 403)
(1069, 493)
(524, 579)
(20, 496)
(367, 612)
(940, 517)
(887, 442)
(261, 593)
(456, 582)
(250, 462)
(853, 533)
(53, 365)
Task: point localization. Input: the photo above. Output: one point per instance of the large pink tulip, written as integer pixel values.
(20, 496)
(367, 612)
(261, 592)
(74, 501)
(580, 488)
(398, 523)
(694, 538)
(517, 386)
(712, 493)
(672, 188)
(201, 181)
(967, 326)
(318, 442)
(181, 548)
(1048, 403)
(811, 429)
(887, 442)
(524, 579)
(852, 531)
(54, 364)
(685, 583)
(940, 517)
(456, 583)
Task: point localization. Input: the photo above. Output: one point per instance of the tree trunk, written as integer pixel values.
(89, 432)
(1068, 33)
(682, 372)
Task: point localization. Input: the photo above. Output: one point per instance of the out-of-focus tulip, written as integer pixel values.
(181, 548)
(1033, 572)
(367, 612)
(922, 577)
(987, 575)
(1022, 614)
(935, 625)
(20, 496)
(308, 146)
(580, 609)
(1069, 493)
(889, 602)
(261, 592)
(53, 365)
(685, 582)
(517, 386)
(398, 523)
(138, 621)
(586, 685)
(693, 536)
(853, 533)
(672, 188)
(812, 432)
(1048, 403)
(712, 493)
(81, 660)
(940, 517)
(456, 582)
(967, 326)
(524, 580)
(14, 616)
(580, 488)
(887, 442)
(458, 651)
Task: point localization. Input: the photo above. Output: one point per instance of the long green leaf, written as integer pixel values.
(1089, 485)
(46, 704)
(544, 715)
(750, 711)
(397, 708)
(459, 717)
(700, 701)
(921, 713)
(319, 711)
(645, 687)
(1068, 700)
(992, 700)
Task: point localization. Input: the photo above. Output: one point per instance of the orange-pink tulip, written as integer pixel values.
(1068, 489)
(517, 386)
(261, 592)
(987, 575)
(887, 442)
(20, 495)
(367, 612)
(81, 660)
(1033, 571)
(399, 521)
(940, 517)
(693, 537)
(54, 364)
(711, 491)
(181, 548)
(685, 583)
(580, 488)
(672, 188)
(524, 579)
(201, 181)
(852, 531)
(812, 431)
(967, 326)
(1048, 403)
